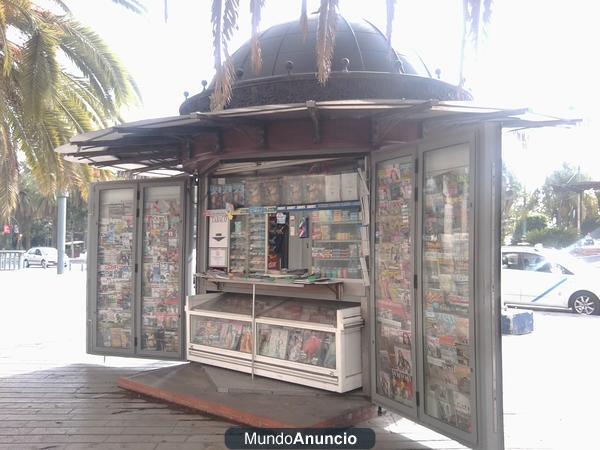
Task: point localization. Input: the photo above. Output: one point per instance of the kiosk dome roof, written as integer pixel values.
(362, 55)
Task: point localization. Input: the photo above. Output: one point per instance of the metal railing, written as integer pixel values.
(11, 259)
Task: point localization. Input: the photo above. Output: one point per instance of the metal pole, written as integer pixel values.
(579, 213)
(61, 231)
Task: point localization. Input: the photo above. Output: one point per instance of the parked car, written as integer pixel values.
(42, 256)
(537, 277)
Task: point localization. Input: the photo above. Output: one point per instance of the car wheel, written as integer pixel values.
(44, 263)
(585, 303)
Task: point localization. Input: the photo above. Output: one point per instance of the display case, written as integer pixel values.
(115, 262)
(336, 243)
(393, 271)
(447, 287)
(247, 242)
(136, 253)
(303, 341)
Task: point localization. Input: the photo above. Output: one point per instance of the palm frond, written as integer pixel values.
(132, 5)
(221, 95)
(9, 171)
(477, 14)
(5, 50)
(255, 53)
(40, 69)
(390, 9)
(224, 22)
(304, 20)
(62, 5)
(326, 38)
(107, 75)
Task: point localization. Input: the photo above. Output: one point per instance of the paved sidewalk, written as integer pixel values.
(55, 396)
(80, 406)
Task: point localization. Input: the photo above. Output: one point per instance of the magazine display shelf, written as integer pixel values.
(309, 342)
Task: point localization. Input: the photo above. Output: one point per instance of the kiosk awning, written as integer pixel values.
(159, 147)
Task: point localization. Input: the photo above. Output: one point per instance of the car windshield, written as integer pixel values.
(569, 262)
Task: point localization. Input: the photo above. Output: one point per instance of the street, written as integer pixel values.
(550, 375)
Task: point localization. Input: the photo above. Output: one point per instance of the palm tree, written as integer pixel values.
(46, 101)
(476, 13)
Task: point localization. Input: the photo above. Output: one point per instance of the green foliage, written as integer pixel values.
(552, 237)
(534, 222)
(57, 78)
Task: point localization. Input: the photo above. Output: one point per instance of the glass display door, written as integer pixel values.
(393, 260)
(112, 289)
(435, 298)
(136, 274)
(161, 269)
(446, 288)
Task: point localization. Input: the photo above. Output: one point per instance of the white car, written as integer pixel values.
(537, 277)
(42, 256)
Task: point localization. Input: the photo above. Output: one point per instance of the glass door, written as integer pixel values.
(112, 259)
(161, 277)
(393, 378)
(446, 288)
(435, 296)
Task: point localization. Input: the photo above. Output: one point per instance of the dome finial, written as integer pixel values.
(204, 84)
(399, 66)
(345, 64)
(289, 66)
(438, 73)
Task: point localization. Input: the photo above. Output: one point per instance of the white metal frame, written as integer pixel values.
(345, 377)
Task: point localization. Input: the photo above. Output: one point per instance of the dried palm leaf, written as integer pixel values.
(224, 21)
(326, 38)
(304, 20)
(391, 7)
(255, 53)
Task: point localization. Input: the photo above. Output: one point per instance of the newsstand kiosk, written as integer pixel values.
(341, 241)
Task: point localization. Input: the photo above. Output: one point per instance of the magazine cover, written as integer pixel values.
(238, 200)
(294, 349)
(314, 188)
(333, 188)
(252, 193)
(385, 384)
(271, 195)
(402, 386)
(227, 194)
(276, 343)
(330, 359)
(292, 189)
(349, 183)
(311, 345)
(216, 196)
(246, 339)
(403, 360)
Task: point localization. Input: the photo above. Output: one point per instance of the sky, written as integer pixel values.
(536, 53)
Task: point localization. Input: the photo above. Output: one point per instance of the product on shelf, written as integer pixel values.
(335, 235)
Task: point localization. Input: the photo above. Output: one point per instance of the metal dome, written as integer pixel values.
(364, 66)
(365, 47)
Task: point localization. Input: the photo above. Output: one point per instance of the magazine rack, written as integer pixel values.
(310, 342)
